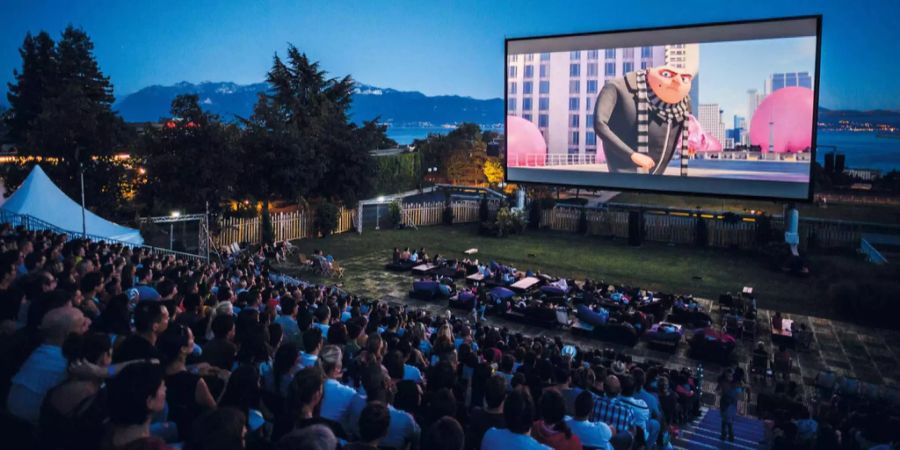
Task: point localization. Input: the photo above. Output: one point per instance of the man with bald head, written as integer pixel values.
(46, 366)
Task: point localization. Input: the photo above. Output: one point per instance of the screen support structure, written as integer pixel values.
(203, 238)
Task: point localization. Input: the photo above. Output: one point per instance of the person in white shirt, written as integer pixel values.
(337, 397)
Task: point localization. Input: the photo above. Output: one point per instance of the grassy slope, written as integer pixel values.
(655, 266)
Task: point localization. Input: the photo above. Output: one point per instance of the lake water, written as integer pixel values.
(406, 135)
(863, 150)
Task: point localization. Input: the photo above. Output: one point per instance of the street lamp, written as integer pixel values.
(378, 212)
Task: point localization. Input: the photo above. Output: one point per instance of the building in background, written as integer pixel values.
(711, 120)
(687, 57)
(557, 91)
(754, 98)
(777, 81)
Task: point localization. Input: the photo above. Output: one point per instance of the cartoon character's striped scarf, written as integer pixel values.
(671, 113)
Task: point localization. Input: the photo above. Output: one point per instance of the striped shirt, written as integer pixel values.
(609, 411)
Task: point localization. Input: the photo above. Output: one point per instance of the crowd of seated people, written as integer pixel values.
(111, 347)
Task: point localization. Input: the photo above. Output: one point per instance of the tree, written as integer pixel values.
(300, 141)
(61, 107)
(459, 156)
(190, 161)
(493, 171)
(33, 84)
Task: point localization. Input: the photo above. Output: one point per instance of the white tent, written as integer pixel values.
(39, 198)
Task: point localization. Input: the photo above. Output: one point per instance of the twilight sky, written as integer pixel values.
(428, 46)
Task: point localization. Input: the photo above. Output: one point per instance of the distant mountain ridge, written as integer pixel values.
(885, 116)
(231, 100)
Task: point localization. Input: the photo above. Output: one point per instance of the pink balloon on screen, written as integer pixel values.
(787, 116)
(699, 140)
(525, 144)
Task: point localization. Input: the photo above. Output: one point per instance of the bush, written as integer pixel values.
(483, 211)
(510, 221)
(534, 211)
(583, 222)
(326, 220)
(448, 214)
(763, 229)
(268, 234)
(394, 214)
(701, 233)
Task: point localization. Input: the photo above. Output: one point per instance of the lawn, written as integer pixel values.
(682, 269)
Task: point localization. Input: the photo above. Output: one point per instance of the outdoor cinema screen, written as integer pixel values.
(724, 109)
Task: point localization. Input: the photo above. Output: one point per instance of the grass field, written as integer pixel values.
(702, 272)
(862, 213)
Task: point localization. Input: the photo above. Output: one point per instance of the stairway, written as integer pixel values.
(703, 433)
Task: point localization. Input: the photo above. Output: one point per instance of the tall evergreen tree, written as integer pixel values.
(301, 140)
(33, 84)
(61, 107)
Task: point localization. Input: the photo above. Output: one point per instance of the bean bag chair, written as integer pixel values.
(619, 332)
(501, 293)
(589, 316)
(712, 345)
(553, 290)
(424, 290)
(464, 300)
(400, 266)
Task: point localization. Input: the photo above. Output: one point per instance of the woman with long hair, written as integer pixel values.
(189, 396)
(552, 429)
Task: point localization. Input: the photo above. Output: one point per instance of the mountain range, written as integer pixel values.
(399, 108)
(231, 100)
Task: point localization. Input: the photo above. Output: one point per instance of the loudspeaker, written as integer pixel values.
(829, 163)
(839, 163)
(635, 228)
(493, 149)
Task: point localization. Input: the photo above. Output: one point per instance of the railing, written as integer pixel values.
(33, 223)
(872, 254)
(551, 159)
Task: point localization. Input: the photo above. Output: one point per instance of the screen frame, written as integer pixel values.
(815, 122)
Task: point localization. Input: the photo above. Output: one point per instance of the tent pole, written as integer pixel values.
(83, 219)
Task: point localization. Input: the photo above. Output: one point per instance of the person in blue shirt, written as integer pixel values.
(312, 344)
(288, 320)
(323, 318)
(403, 431)
(518, 413)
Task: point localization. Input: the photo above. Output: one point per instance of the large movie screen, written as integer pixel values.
(719, 109)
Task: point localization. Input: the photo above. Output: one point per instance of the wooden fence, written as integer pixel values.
(674, 228)
(432, 213)
(285, 226)
(681, 228)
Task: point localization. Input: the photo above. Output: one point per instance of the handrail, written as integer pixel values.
(33, 223)
(872, 254)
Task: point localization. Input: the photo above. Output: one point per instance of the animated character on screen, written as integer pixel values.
(642, 118)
